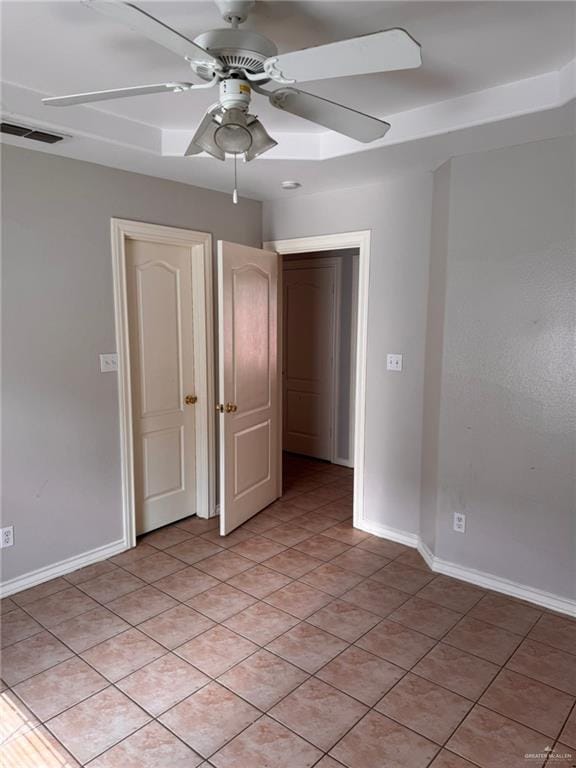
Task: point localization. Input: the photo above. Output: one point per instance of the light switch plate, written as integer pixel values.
(394, 362)
(108, 362)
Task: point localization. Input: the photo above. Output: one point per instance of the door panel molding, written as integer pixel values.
(333, 242)
(200, 244)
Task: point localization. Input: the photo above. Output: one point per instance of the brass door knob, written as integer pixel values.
(190, 399)
(231, 408)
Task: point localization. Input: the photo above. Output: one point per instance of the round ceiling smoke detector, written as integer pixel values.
(290, 184)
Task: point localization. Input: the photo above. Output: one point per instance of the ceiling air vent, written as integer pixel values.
(29, 133)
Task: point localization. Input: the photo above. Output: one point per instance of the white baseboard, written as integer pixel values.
(33, 578)
(344, 462)
(384, 532)
(472, 576)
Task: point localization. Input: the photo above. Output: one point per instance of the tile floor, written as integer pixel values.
(297, 641)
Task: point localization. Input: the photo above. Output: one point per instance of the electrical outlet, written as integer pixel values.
(6, 536)
(394, 362)
(459, 522)
(108, 362)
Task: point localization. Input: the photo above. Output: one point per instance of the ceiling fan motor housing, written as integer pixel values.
(237, 49)
(235, 94)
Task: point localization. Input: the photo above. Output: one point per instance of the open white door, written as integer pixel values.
(248, 369)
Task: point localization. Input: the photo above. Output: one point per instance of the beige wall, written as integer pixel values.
(61, 468)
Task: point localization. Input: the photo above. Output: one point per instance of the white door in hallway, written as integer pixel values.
(309, 356)
(248, 371)
(160, 318)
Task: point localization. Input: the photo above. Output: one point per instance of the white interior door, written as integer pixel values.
(160, 319)
(309, 303)
(248, 369)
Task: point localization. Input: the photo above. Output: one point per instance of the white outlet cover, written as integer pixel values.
(108, 362)
(394, 362)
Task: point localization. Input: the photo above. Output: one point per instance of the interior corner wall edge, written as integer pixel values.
(61, 454)
(397, 211)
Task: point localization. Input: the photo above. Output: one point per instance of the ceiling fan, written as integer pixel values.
(241, 61)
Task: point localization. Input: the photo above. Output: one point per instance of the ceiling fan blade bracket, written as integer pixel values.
(272, 71)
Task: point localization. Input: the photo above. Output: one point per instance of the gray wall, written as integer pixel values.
(60, 415)
(504, 293)
(398, 213)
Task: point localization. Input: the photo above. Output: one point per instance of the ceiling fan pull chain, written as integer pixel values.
(235, 193)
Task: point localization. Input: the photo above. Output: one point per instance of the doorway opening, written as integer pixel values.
(323, 323)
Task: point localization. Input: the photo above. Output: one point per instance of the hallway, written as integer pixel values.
(294, 637)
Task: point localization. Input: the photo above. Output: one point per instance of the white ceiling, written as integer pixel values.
(55, 48)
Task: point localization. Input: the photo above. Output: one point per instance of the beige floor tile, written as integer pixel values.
(258, 548)
(396, 643)
(40, 591)
(193, 550)
(162, 683)
(221, 602)
(492, 741)
(50, 692)
(36, 749)
(344, 620)
(446, 759)
(166, 537)
(425, 707)
(319, 713)
(131, 555)
(423, 616)
(314, 523)
(122, 654)
(266, 744)
(155, 567)
(332, 579)
(225, 542)
(111, 585)
(375, 597)
(321, 547)
(547, 664)
(293, 563)
(298, 599)
(555, 631)
(225, 565)
(307, 647)
(198, 525)
(185, 584)
(383, 547)
(259, 581)
(361, 674)
(17, 625)
(142, 604)
(263, 679)
(98, 723)
(216, 650)
(359, 561)
(414, 559)
(90, 572)
(88, 629)
(403, 577)
(176, 626)
(459, 671)
(506, 613)
(377, 741)
(485, 640)
(7, 605)
(209, 718)
(260, 524)
(451, 593)
(15, 718)
(261, 623)
(529, 702)
(151, 747)
(60, 606)
(288, 534)
(568, 735)
(346, 532)
(31, 656)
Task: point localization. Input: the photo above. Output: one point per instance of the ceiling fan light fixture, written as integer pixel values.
(233, 135)
(261, 140)
(205, 138)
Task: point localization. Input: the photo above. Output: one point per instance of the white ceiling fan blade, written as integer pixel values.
(115, 93)
(338, 118)
(377, 52)
(153, 29)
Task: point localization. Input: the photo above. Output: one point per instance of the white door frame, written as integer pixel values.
(201, 246)
(360, 240)
(334, 263)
